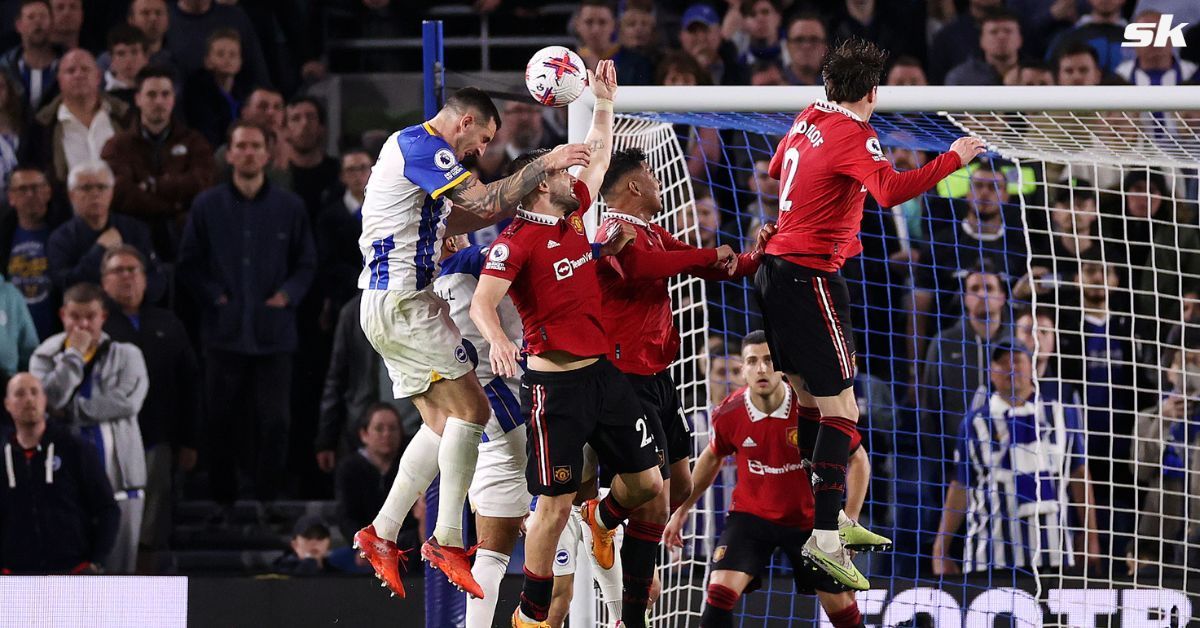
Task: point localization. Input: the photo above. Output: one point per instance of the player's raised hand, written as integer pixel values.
(604, 80)
(968, 148)
(505, 358)
(567, 155)
(673, 533)
(620, 234)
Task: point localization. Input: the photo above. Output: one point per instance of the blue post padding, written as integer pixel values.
(432, 65)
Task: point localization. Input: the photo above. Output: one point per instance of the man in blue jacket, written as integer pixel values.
(248, 257)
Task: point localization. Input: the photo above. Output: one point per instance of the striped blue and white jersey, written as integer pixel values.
(1015, 463)
(404, 212)
(456, 284)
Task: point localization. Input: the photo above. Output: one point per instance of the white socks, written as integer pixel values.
(456, 460)
(609, 580)
(418, 467)
(488, 570)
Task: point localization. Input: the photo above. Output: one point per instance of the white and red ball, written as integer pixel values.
(555, 76)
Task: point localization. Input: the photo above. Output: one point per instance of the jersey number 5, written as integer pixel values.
(791, 159)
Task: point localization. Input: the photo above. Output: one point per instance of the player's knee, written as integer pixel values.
(645, 487)
(553, 511)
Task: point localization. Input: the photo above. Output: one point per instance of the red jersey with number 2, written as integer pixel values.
(826, 164)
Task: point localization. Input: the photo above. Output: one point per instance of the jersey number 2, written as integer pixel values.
(791, 159)
(641, 426)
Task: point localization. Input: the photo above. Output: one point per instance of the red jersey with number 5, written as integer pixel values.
(826, 164)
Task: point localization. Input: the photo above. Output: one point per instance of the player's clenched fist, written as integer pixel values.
(566, 156)
(505, 358)
(967, 148)
(619, 235)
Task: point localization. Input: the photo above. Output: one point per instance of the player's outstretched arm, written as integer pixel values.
(952, 517)
(704, 473)
(600, 137)
(495, 201)
(890, 188)
(504, 355)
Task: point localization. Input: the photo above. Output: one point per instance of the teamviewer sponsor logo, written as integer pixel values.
(564, 267)
(759, 468)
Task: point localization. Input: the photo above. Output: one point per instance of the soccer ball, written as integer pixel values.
(555, 76)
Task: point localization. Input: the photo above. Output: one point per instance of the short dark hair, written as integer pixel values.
(756, 337)
(999, 14)
(379, 406)
(524, 160)
(124, 249)
(83, 293)
(985, 266)
(907, 61)
(602, 4)
(315, 102)
(25, 3)
(1182, 338)
(680, 61)
(1150, 179)
(1028, 63)
(356, 150)
(1075, 48)
(310, 527)
(219, 34)
(748, 6)
(268, 134)
(620, 164)
(475, 99)
(764, 64)
(1041, 311)
(807, 16)
(124, 34)
(153, 72)
(852, 70)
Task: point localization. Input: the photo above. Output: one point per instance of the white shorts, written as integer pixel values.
(568, 546)
(413, 333)
(498, 488)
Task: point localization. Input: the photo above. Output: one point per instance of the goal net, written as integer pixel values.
(1076, 236)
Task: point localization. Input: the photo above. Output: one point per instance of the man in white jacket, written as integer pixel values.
(97, 386)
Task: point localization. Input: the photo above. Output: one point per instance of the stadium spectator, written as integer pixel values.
(127, 56)
(308, 554)
(169, 415)
(192, 22)
(151, 18)
(907, 71)
(160, 164)
(767, 72)
(958, 39)
(1155, 65)
(365, 476)
(33, 64)
(1099, 349)
(98, 386)
(956, 364)
(1167, 437)
(247, 254)
(887, 24)
(1163, 251)
(985, 230)
(338, 227)
(700, 37)
(314, 172)
(765, 206)
(75, 248)
(24, 244)
(1074, 231)
(724, 375)
(1033, 531)
(265, 108)
(55, 483)
(1030, 74)
(1077, 64)
(1035, 328)
(356, 379)
(522, 130)
(66, 23)
(999, 46)
(12, 125)
(759, 38)
(215, 92)
(594, 26)
(807, 42)
(1041, 21)
(637, 29)
(1102, 30)
(700, 228)
(18, 336)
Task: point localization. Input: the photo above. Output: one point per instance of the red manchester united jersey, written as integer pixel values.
(637, 305)
(771, 481)
(826, 164)
(554, 284)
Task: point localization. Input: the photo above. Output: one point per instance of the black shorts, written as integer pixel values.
(594, 405)
(748, 543)
(672, 430)
(806, 313)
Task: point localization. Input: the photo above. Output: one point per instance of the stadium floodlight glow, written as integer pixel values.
(1083, 167)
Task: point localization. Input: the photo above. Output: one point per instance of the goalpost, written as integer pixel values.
(1099, 180)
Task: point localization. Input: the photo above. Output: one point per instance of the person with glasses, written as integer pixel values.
(75, 249)
(24, 235)
(169, 417)
(807, 42)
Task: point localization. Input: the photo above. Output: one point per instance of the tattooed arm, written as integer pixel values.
(600, 136)
(478, 204)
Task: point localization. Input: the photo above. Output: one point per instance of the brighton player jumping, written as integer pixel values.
(761, 426)
(571, 394)
(826, 164)
(404, 219)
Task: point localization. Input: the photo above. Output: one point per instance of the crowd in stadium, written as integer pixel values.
(199, 332)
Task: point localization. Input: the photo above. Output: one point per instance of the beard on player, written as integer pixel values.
(562, 194)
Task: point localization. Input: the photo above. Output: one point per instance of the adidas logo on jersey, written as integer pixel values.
(551, 244)
(749, 442)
